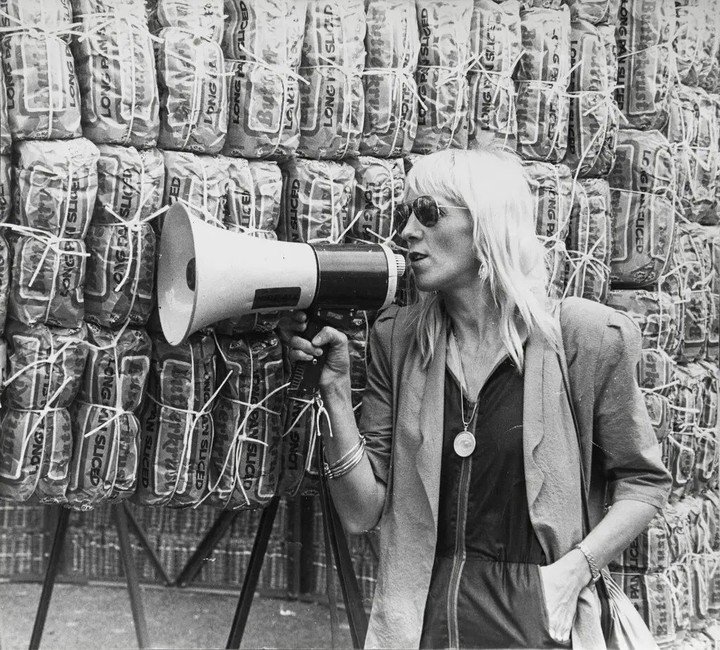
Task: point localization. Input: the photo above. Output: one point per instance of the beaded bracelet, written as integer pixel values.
(347, 462)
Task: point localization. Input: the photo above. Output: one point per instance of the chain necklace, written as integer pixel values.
(464, 442)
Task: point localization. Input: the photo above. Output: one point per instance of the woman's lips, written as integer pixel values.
(416, 257)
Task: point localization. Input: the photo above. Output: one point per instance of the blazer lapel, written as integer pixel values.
(533, 425)
(429, 455)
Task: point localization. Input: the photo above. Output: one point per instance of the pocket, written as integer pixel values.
(544, 611)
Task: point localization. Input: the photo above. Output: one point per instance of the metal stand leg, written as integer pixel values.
(348, 581)
(50, 576)
(205, 548)
(142, 538)
(253, 573)
(136, 603)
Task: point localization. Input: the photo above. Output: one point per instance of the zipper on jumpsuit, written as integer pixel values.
(459, 555)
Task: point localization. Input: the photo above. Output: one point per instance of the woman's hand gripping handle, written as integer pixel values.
(319, 352)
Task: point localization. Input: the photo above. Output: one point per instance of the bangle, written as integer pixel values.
(592, 562)
(347, 462)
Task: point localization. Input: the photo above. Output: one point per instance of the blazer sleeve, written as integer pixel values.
(376, 418)
(622, 432)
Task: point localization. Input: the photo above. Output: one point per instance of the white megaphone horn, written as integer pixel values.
(207, 274)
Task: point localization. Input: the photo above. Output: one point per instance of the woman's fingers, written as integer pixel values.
(302, 345)
(328, 336)
(291, 322)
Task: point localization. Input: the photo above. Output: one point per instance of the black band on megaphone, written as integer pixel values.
(351, 276)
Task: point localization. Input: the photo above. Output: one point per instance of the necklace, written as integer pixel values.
(464, 442)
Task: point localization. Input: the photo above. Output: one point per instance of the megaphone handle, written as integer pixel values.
(306, 374)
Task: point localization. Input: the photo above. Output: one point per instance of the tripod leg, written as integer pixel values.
(142, 538)
(136, 603)
(348, 581)
(50, 576)
(206, 547)
(252, 573)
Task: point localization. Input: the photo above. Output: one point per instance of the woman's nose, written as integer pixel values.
(412, 229)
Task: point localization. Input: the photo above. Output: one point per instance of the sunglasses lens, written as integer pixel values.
(402, 216)
(426, 210)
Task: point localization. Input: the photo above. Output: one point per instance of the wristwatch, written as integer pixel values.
(592, 563)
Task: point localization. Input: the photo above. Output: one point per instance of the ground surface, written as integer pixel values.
(86, 617)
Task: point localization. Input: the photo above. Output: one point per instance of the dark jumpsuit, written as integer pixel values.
(485, 588)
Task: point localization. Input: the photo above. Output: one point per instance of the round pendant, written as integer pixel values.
(464, 444)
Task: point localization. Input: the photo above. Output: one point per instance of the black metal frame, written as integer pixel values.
(124, 521)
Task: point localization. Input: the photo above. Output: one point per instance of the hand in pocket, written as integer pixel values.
(561, 593)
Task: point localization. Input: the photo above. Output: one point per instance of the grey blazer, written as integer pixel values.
(402, 420)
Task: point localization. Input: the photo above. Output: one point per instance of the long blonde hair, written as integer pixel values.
(492, 183)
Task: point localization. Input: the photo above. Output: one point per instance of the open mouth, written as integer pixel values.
(416, 257)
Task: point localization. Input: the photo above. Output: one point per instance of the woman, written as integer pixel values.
(466, 455)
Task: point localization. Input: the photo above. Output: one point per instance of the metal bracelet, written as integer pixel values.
(592, 562)
(347, 462)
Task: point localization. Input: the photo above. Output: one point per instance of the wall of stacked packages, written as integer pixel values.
(298, 121)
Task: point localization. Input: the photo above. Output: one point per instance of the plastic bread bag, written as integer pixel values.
(245, 460)
(6, 187)
(115, 64)
(37, 446)
(442, 74)
(117, 368)
(331, 113)
(541, 80)
(174, 449)
(654, 313)
(105, 456)
(177, 426)
(206, 18)
(43, 97)
(198, 182)
(5, 136)
(379, 190)
(253, 196)
(47, 280)
(681, 131)
(192, 78)
(652, 596)
(56, 186)
(645, 61)
(690, 263)
(589, 240)
(642, 187)
(315, 201)
(556, 267)
(709, 70)
(45, 366)
(649, 551)
(594, 115)
(262, 44)
(120, 274)
(390, 89)
(595, 11)
(693, 39)
(552, 190)
(496, 42)
(130, 184)
(5, 259)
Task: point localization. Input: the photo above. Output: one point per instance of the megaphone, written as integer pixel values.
(207, 274)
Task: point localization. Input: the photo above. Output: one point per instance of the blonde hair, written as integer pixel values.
(492, 183)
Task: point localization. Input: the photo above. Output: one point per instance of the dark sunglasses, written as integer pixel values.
(425, 209)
